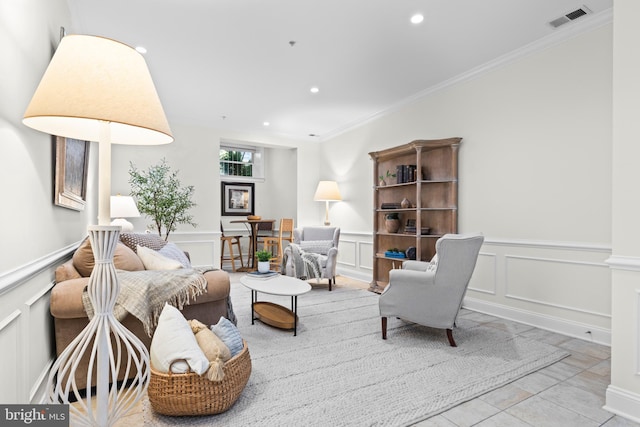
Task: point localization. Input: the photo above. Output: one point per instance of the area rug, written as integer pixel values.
(338, 371)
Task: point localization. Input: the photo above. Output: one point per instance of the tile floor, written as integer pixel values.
(568, 393)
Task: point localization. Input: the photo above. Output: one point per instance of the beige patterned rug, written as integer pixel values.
(339, 372)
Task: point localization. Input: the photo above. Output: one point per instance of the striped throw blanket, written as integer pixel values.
(144, 293)
(302, 265)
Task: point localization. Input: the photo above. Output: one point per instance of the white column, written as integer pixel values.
(623, 394)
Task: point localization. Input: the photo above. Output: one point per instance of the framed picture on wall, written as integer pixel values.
(237, 198)
(72, 162)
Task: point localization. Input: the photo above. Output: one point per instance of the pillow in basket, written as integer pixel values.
(173, 340)
(216, 351)
(229, 334)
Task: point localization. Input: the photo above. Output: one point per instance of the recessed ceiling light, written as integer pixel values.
(141, 49)
(314, 90)
(266, 123)
(417, 18)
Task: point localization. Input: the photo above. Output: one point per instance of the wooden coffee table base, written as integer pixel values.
(274, 315)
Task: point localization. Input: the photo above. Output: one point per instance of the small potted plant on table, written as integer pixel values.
(263, 258)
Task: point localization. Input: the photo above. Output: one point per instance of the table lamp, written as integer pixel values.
(327, 191)
(97, 89)
(123, 207)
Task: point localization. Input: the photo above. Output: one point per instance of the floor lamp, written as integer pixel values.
(97, 89)
(327, 191)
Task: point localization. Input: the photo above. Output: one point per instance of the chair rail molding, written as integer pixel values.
(627, 263)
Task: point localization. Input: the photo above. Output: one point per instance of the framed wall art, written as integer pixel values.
(237, 198)
(72, 162)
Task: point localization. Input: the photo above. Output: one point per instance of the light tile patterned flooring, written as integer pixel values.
(569, 393)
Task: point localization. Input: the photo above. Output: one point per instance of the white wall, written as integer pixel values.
(36, 235)
(535, 178)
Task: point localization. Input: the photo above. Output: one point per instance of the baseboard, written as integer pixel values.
(353, 274)
(623, 403)
(554, 324)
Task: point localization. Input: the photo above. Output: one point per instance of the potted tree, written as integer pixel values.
(263, 258)
(160, 196)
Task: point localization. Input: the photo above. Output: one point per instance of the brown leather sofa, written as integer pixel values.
(70, 317)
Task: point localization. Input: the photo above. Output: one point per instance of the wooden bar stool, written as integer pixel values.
(275, 243)
(230, 241)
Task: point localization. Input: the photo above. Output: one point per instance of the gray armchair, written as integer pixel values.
(320, 240)
(431, 294)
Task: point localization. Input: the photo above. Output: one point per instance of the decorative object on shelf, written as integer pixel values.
(392, 222)
(405, 203)
(263, 258)
(123, 207)
(161, 197)
(327, 191)
(411, 252)
(394, 253)
(384, 178)
(97, 89)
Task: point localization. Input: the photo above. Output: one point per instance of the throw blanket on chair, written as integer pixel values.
(144, 293)
(304, 265)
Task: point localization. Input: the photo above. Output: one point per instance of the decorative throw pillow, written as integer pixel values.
(133, 240)
(316, 246)
(216, 351)
(173, 340)
(171, 250)
(229, 334)
(123, 259)
(153, 260)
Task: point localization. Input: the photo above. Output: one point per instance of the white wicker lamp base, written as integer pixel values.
(106, 358)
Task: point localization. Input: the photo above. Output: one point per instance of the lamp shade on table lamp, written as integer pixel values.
(123, 207)
(327, 191)
(98, 89)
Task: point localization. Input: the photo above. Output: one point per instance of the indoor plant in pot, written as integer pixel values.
(161, 197)
(263, 258)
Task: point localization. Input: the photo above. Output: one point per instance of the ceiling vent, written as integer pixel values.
(571, 16)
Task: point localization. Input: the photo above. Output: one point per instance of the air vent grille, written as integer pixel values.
(584, 10)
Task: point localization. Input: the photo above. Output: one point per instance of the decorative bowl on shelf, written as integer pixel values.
(253, 217)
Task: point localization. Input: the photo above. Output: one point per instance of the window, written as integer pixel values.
(240, 162)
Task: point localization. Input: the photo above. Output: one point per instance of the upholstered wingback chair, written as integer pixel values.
(323, 241)
(431, 293)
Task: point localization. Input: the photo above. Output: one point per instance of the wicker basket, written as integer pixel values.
(191, 394)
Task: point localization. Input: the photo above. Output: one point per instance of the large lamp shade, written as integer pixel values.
(92, 79)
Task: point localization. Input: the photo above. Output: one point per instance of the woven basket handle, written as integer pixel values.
(179, 360)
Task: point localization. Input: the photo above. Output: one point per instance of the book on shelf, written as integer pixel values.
(406, 173)
(257, 275)
(391, 206)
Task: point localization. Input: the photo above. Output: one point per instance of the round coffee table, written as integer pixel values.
(271, 313)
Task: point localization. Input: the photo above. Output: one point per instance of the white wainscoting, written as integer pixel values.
(26, 328)
(203, 246)
(559, 286)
